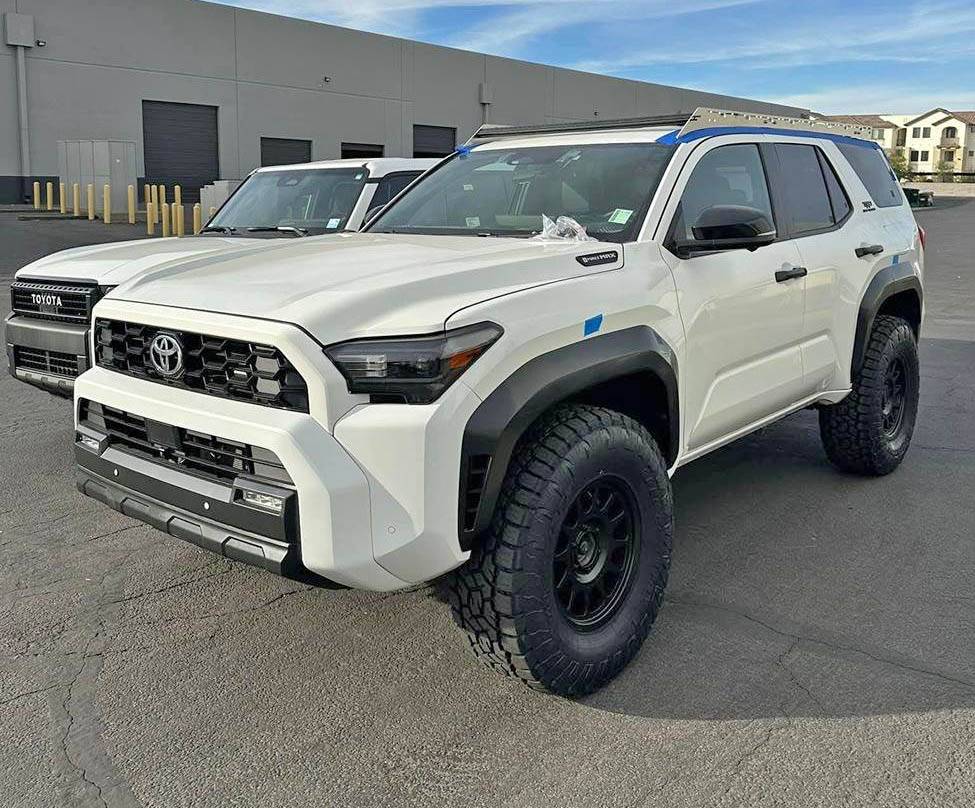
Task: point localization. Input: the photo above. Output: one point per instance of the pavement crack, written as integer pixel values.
(25, 694)
(833, 646)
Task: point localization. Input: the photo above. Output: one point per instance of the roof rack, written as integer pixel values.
(705, 118)
(491, 131)
(701, 118)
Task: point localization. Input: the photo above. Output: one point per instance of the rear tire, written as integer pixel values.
(870, 431)
(563, 590)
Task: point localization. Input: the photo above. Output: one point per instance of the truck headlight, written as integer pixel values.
(415, 370)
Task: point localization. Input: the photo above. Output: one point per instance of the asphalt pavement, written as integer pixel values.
(816, 647)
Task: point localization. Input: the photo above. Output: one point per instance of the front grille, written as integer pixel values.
(195, 452)
(244, 371)
(53, 362)
(52, 301)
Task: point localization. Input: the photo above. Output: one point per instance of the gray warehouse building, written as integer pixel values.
(210, 91)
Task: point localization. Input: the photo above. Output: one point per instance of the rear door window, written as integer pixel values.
(837, 196)
(875, 174)
(804, 192)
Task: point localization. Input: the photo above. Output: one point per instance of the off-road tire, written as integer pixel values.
(853, 430)
(505, 596)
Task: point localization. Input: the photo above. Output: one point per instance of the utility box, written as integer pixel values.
(100, 163)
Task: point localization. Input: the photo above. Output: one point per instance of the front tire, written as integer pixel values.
(563, 590)
(870, 431)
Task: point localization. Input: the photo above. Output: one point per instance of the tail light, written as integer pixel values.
(923, 237)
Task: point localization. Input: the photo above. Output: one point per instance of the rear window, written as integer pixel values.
(874, 173)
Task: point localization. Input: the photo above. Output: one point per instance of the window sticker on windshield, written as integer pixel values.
(468, 187)
(473, 221)
(359, 176)
(620, 216)
(332, 224)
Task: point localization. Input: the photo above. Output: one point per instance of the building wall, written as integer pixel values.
(281, 77)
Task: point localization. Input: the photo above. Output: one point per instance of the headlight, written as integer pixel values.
(411, 369)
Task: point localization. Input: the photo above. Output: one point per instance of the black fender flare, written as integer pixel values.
(493, 430)
(891, 280)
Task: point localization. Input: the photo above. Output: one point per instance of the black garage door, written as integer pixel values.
(433, 141)
(180, 143)
(282, 151)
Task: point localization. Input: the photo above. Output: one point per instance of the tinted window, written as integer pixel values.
(728, 175)
(806, 199)
(874, 173)
(837, 196)
(390, 185)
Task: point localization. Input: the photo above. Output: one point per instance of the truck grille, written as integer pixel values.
(244, 371)
(52, 301)
(53, 362)
(195, 452)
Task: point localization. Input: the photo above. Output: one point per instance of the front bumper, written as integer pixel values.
(376, 503)
(58, 352)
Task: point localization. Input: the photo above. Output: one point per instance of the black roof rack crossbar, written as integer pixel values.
(490, 131)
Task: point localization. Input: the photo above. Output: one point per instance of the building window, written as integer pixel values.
(878, 134)
(361, 151)
(949, 157)
(925, 156)
(901, 137)
(926, 131)
(971, 153)
(949, 131)
(915, 155)
(916, 131)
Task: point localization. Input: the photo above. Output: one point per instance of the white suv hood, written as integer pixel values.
(363, 284)
(115, 263)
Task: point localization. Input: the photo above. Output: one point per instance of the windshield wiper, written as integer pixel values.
(218, 228)
(281, 228)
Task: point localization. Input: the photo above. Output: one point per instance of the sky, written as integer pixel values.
(831, 56)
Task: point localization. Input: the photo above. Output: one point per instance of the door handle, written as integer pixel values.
(789, 274)
(873, 249)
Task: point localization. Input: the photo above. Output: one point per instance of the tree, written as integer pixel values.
(945, 172)
(898, 162)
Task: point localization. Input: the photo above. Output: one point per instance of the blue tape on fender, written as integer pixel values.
(592, 325)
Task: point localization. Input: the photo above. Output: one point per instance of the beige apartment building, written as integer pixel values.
(937, 139)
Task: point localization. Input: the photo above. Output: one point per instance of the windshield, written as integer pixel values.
(604, 187)
(310, 200)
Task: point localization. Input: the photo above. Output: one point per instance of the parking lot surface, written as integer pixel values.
(815, 647)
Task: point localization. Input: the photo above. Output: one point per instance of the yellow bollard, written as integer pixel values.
(76, 198)
(162, 195)
(150, 216)
(131, 204)
(91, 202)
(37, 196)
(177, 195)
(180, 222)
(211, 212)
(107, 204)
(146, 197)
(50, 196)
(197, 219)
(154, 198)
(165, 219)
(172, 212)
(64, 197)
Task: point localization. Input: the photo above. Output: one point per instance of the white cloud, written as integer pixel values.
(881, 99)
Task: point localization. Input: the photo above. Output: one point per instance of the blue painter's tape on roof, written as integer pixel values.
(672, 138)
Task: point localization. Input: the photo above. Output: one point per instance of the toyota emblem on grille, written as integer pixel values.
(166, 355)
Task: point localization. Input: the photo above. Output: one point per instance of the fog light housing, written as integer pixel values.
(262, 501)
(89, 443)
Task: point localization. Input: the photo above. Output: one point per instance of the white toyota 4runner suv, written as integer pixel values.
(492, 384)
(51, 299)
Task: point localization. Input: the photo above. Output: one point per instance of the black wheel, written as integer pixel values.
(563, 590)
(869, 431)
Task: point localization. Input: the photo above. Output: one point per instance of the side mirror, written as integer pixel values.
(729, 227)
